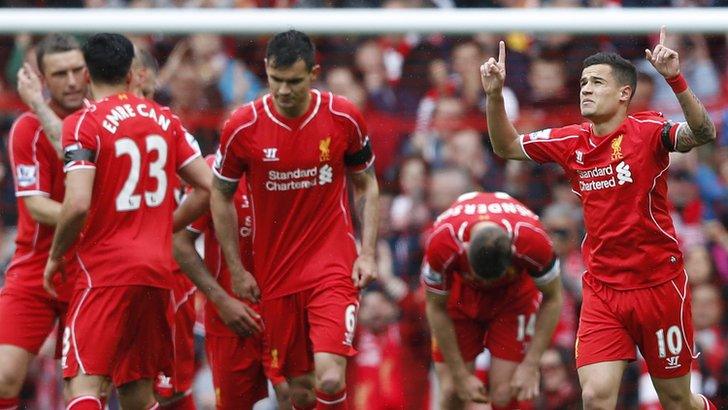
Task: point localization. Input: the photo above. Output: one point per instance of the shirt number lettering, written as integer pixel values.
(526, 328)
(673, 341)
(127, 200)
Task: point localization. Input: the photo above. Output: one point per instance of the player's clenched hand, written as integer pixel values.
(493, 73)
(364, 271)
(245, 286)
(239, 317)
(525, 382)
(665, 60)
(53, 267)
(30, 88)
(471, 390)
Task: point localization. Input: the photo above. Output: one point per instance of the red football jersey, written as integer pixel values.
(136, 148)
(214, 259)
(296, 176)
(446, 256)
(621, 181)
(37, 171)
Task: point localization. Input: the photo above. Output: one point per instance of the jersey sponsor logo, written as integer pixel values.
(324, 147)
(579, 157)
(623, 173)
(270, 154)
(430, 276)
(299, 178)
(623, 176)
(27, 175)
(617, 148)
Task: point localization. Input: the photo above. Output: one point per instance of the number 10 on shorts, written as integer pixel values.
(674, 341)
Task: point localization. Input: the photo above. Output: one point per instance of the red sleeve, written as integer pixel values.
(229, 162)
(661, 131)
(550, 144)
(534, 252)
(187, 147)
(359, 155)
(80, 141)
(441, 251)
(200, 224)
(31, 170)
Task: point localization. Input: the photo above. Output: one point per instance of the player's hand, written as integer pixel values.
(525, 382)
(239, 317)
(493, 73)
(471, 390)
(364, 271)
(245, 286)
(52, 268)
(665, 60)
(30, 87)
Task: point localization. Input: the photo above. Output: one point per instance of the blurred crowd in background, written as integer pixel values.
(422, 99)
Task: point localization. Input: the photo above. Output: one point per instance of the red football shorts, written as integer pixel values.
(656, 319)
(316, 320)
(119, 332)
(501, 320)
(237, 371)
(27, 319)
(180, 379)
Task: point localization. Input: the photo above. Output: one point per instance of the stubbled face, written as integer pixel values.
(601, 95)
(290, 86)
(64, 76)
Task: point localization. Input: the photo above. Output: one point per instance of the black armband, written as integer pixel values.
(79, 154)
(665, 137)
(360, 157)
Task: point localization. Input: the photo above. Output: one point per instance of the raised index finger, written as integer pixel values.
(501, 52)
(663, 32)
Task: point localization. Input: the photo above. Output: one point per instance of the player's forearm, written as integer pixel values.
(43, 210)
(702, 129)
(546, 321)
(193, 266)
(68, 228)
(366, 203)
(226, 221)
(52, 124)
(194, 205)
(444, 331)
(502, 133)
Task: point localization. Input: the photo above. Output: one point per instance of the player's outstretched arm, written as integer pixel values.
(700, 129)
(199, 176)
(468, 386)
(366, 202)
(525, 382)
(43, 209)
(238, 316)
(76, 203)
(225, 219)
(503, 136)
(30, 90)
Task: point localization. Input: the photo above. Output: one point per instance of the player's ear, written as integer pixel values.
(315, 71)
(625, 93)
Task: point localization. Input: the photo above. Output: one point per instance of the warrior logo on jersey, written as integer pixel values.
(617, 148)
(324, 145)
(270, 154)
(579, 157)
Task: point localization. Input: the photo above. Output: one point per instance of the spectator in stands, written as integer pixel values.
(710, 337)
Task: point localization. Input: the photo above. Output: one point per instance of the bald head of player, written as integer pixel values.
(290, 65)
(608, 82)
(489, 252)
(108, 59)
(145, 71)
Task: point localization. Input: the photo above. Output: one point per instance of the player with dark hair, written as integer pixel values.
(486, 260)
(28, 315)
(121, 153)
(297, 146)
(635, 286)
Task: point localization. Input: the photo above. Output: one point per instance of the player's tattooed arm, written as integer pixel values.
(226, 188)
(366, 203)
(31, 92)
(700, 129)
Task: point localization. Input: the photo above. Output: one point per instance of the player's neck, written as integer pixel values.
(607, 126)
(58, 109)
(294, 112)
(101, 91)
